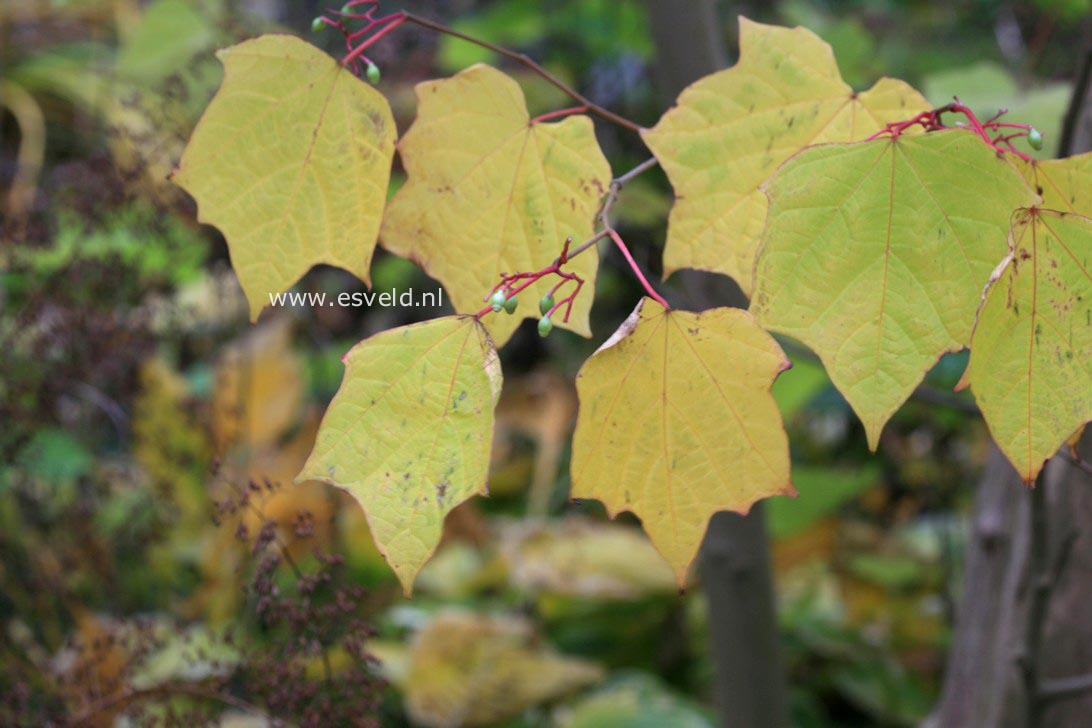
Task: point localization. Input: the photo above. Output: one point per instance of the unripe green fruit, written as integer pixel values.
(497, 301)
(373, 73)
(545, 326)
(346, 8)
(510, 305)
(1035, 138)
(318, 25)
(545, 304)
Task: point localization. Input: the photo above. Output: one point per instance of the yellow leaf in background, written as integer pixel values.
(730, 130)
(476, 670)
(1031, 352)
(677, 422)
(259, 390)
(291, 162)
(488, 192)
(585, 558)
(409, 431)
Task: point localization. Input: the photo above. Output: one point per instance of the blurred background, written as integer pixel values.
(159, 566)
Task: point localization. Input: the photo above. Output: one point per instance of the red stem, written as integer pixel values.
(636, 271)
(931, 121)
(550, 115)
(393, 21)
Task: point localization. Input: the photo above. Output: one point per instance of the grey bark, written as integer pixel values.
(735, 560)
(980, 661)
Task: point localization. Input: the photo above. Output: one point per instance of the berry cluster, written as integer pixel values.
(503, 295)
(374, 29)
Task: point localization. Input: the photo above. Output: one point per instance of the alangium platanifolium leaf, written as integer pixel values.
(677, 422)
(875, 255)
(408, 433)
(490, 191)
(1031, 353)
(865, 239)
(730, 131)
(291, 162)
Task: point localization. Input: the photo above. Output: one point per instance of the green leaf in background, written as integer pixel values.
(820, 491)
(170, 33)
(632, 701)
(55, 456)
(798, 386)
(987, 88)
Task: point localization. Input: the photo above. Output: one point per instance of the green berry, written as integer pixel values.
(1035, 138)
(545, 304)
(373, 73)
(497, 301)
(346, 8)
(318, 25)
(545, 326)
(510, 305)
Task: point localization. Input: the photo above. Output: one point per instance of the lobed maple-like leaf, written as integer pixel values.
(408, 433)
(677, 422)
(730, 130)
(875, 255)
(490, 191)
(1031, 354)
(291, 162)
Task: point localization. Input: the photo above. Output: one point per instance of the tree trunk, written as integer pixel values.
(735, 558)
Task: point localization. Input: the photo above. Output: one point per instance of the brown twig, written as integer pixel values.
(528, 62)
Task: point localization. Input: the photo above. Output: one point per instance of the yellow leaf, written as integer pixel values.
(730, 130)
(490, 192)
(291, 162)
(409, 431)
(677, 422)
(259, 390)
(1031, 353)
(475, 670)
(1064, 184)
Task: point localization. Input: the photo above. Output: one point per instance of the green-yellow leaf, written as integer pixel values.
(490, 192)
(876, 253)
(677, 422)
(291, 162)
(1031, 354)
(478, 670)
(731, 130)
(409, 431)
(1064, 184)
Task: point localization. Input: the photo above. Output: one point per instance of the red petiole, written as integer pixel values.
(931, 121)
